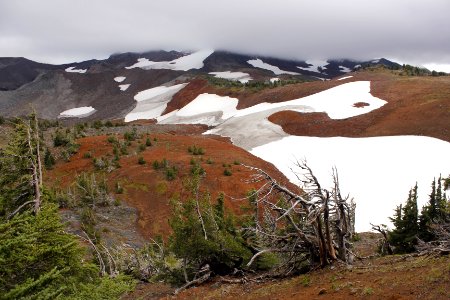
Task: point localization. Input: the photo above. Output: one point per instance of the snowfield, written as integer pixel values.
(185, 63)
(378, 172)
(249, 127)
(119, 78)
(209, 109)
(344, 69)
(345, 77)
(337, 102)
(78, 112)
(258, 63)
(124, 87)
(151, 103)
(315, 65)
(73, 70)
(236, 76)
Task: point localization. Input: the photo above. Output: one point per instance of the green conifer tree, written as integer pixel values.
(404, 236)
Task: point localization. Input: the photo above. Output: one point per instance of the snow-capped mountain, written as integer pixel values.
(53, 89)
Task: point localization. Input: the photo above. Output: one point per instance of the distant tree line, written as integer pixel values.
(252, 84)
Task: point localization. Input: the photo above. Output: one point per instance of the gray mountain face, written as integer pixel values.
(52, 89)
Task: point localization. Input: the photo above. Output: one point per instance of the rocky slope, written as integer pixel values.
(52, 89)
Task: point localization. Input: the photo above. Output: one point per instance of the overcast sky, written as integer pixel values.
(56, 31)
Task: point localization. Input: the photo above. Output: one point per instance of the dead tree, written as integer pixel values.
(440, 245)
(385, 246)
(313, 227)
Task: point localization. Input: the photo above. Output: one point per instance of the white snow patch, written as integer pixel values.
(236, 76)
(78, 112)
(151, 103)
(356, 67)
(124, 87)
(315, 65)
(258, 63)
(375, 61)
(119, 78)
(249, 127)
(275, 79)
(209, 109)
(205, 103)
(337, 102)
(73, 70)
(378, 172)
(185, 63)
(344, 69)
(345, 77)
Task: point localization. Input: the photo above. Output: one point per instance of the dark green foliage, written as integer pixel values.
(171, 173)
(16, 167)
(141, 147)
(156, 165)
(116, 150)
(196, 150)
(2, 120)
(223, 248)
(112, 139)
(405, 220)
(49, 159)
(163, 164)
(227, 172)
(87, 154)
(97, 124)
(148, 142)
(130, 136)
(60, 139)
(109, 124)
(72, 148)
(236, 162)
(123, 149)
(434, 212)
(37, 258)
(79, 128)
(253, 85)
(141, 161)
(197, 168)
(66, 139)
(446, 183)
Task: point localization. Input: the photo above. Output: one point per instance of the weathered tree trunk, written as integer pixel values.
(38, 150)
(35, 176)
(307, 217)
(326, 221)
(322, 246)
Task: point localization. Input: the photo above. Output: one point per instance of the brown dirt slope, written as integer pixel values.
(390, 277)
(148, 190)
(416, 106)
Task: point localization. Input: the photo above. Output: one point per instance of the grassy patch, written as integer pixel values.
(137, 186)
(161, 188)
(367, 291)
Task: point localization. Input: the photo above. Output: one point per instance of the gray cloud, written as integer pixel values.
(414, 31)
